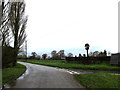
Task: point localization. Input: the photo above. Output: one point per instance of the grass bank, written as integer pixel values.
(12, 73)
(75, 65)
(99, 80)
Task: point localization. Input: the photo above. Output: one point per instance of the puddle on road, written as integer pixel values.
(75, 71)
(11, 84)
(80, 71)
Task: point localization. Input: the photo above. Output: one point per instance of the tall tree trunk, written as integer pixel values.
(17, 24)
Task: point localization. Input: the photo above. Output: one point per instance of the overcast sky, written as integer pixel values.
(69, 24)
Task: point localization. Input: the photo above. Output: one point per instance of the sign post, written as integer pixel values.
(87, 48)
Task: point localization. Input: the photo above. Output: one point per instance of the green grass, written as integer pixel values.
(98, 80)
(64, 64)
(12, 73)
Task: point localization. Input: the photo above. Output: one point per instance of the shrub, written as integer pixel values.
(7, 56)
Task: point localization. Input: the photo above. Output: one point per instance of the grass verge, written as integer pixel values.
(12, 73)
(99, 80)
(64, 64)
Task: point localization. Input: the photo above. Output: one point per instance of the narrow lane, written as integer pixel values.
(39, 76)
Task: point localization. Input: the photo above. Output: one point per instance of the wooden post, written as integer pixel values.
(87, 54)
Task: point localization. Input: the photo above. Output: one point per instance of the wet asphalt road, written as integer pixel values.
(39, 76)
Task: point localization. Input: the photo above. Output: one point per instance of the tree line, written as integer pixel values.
(12, 30)
(59, 55)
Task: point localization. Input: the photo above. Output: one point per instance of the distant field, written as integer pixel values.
(12, 73)
(99, 80)
(75, 65)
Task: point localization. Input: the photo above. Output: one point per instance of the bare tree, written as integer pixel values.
(54, 54)
(44, 56)
(4, 28)
(70, 55)
(0, 22)
(17, 24)
(34, 55)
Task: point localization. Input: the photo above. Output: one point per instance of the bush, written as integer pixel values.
(7, 56)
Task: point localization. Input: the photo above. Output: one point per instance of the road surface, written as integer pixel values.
(39, 76)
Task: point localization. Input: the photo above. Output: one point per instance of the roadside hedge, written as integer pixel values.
(7, 56)
(90, 60)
